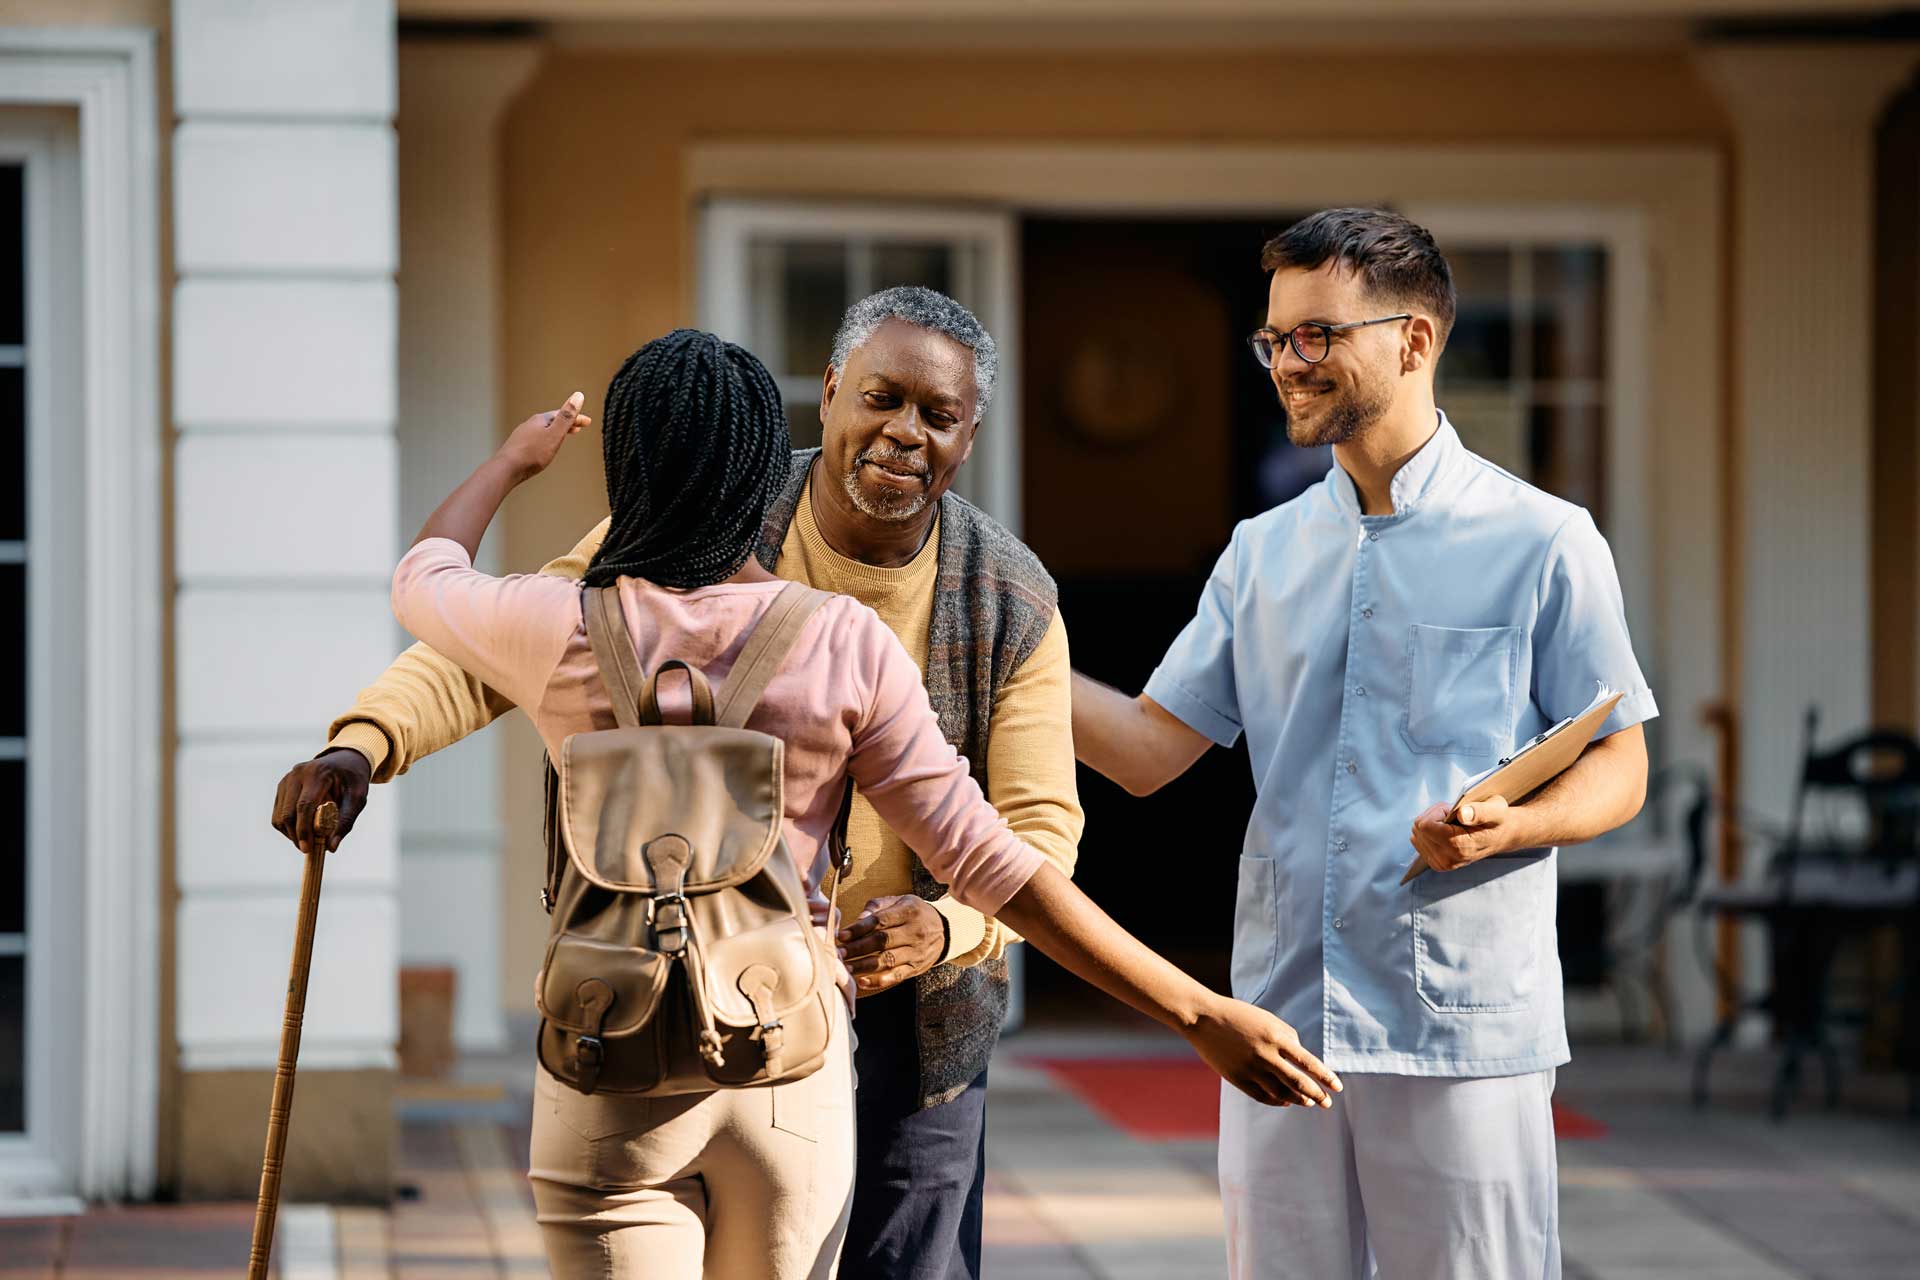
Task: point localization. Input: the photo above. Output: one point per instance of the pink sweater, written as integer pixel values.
(847, 700)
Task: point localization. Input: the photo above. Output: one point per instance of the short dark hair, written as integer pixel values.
(1395, 258)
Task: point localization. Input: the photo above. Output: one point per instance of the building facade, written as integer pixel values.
(290, 269)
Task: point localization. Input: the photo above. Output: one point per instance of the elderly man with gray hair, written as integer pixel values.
(869, 515)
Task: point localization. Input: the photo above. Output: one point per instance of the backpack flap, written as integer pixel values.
(622, 789)
(577, 968)
(770, 970)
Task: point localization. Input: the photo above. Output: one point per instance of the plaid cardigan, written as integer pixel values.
(993, 601)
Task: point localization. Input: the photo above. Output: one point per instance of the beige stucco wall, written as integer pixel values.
(598, 250)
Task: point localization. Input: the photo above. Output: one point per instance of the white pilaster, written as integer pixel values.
(1804, 117)
(452, 878)
(286, 471)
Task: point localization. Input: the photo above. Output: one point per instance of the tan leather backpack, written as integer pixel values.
(682, 956)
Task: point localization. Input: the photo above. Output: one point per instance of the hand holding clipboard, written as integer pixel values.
(1533, 766)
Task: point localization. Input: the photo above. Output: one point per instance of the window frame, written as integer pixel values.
(39, 141)
(1627, 469)
(110, 737)
(987, 237)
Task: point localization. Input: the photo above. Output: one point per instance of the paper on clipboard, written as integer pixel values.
(1536, 764)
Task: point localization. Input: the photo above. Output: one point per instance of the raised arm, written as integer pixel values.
(1135, 742)
(422, 703)
(1191, 702)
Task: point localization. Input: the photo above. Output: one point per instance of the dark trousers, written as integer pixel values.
(919, 1177)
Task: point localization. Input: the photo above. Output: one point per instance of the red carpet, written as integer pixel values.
(1158, 1099)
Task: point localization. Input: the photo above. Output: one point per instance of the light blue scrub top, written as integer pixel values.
(1376, 663)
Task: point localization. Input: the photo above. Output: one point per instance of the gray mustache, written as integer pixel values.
(904, 461)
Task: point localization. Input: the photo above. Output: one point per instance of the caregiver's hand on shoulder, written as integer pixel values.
(1260, 1055)
(341, 775)
(891, 940)
(1486, 827)
(536, 442)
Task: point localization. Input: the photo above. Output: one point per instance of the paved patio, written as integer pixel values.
(1655, 1189)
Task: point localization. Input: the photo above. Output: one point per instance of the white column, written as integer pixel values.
(1804, 117)
(452, 93)
(284, 397)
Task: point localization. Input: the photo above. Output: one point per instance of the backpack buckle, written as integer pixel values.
(588, 1055)
(667, 915)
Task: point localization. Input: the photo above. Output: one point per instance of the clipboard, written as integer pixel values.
(1533, 766)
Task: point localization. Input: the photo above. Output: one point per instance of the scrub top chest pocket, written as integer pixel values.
(1460, 689)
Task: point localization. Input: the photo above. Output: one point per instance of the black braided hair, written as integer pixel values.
(696, 447)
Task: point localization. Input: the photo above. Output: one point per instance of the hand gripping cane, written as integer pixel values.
(326, 820)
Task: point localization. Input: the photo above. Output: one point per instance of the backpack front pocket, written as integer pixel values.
(593, 992)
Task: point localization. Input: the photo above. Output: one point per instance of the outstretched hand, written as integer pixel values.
(1261, 1056)
(536, 442)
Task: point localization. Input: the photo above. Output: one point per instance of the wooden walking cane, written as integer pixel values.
(326, 820)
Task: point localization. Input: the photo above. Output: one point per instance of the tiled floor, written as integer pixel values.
(1666, 1191)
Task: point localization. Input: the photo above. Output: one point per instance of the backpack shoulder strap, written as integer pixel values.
(613, 650)
(765, 649)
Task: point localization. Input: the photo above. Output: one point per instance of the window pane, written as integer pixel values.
(1570, 312)
(13, 1044)
(800, 293)
(803, 423)
(927, 265)
(13, 650)
(1493, 424)
(1481, 348)
(13, 256)
(1567, 449)
(13, 846)
(13, 454)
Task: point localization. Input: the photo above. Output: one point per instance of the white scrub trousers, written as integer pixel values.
(1406, 1178)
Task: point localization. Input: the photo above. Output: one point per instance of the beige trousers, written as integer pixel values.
(730, 1185)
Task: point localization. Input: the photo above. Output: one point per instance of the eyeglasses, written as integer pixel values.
(1310, 341)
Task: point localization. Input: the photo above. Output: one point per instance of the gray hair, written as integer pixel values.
(927, 309)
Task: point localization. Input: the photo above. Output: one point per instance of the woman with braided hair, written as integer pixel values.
(696, 445)
(755, 1182)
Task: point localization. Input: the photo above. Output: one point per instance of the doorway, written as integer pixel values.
(1149, 431)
